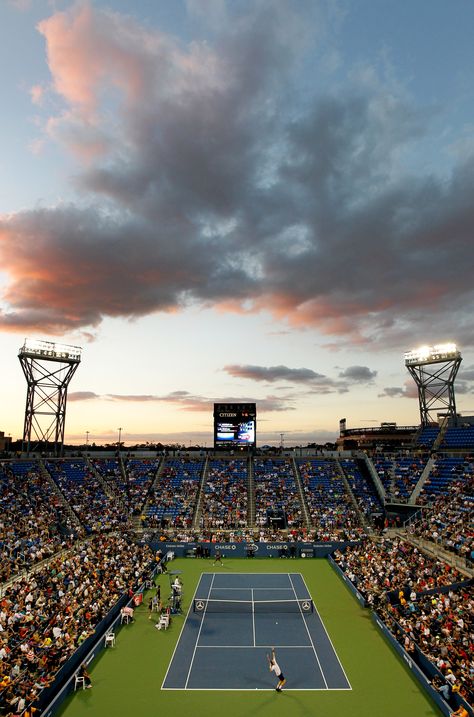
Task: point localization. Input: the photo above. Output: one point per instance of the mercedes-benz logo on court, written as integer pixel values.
(200, 605)
(306, 605)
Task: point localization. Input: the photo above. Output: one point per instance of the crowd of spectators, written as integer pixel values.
(276, 492)
(400, 473)
(394, 564)
(129, 479)
(441, 625)
(45, 617)
(399, 582)
(140, 475)
(252, 535)
(330, 506)
(172, 499)
(225, 495)
(448, 521)
(85, 493)
(363, 490)
(34, 523)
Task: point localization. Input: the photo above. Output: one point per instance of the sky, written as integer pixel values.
(266, 201)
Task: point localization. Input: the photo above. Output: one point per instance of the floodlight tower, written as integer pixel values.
(48, 369)
(434, 369)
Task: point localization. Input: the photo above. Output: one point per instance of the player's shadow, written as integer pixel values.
(291, 703)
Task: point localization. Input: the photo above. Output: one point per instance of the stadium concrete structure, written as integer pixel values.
(390, 513)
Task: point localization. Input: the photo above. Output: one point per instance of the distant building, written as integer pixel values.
(385, 437)
(5, 442)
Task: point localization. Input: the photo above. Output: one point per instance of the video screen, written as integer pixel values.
(235, 433)
(235, 425)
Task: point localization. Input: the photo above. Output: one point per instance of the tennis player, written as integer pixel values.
(218, 558)
(275, 667)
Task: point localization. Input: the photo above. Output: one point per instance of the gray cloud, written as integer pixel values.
(466, 373)
(358, 374)
(408, 390)
(275, 373)
(219, 183)
(316, 383)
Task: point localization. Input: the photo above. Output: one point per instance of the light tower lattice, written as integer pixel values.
(434, 369)
(48, 369)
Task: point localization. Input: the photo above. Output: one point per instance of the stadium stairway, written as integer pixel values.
(54, 486)
(367, 469)
(250, 494)
(421, 481)
(360, 514)
(440, 437)
(299, 486)
(151, 490)
(137, 520)
(200, 496)
(107, 487)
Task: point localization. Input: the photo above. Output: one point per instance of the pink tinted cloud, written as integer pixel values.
(90, 50)
(37, 93)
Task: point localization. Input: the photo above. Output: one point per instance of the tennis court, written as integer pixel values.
(232, 624)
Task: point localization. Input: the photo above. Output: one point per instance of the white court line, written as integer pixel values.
(179, 637)
(307, 630)
(198, 636)
(224, 575)
(327, 634)
(253, 619)
(250, 647)
(254, 689)
(218, 588)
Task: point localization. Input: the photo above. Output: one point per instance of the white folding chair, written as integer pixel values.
(109, 639)
(79, 681)
(163, 622)
(125, 617)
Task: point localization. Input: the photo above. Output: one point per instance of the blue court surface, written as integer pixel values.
(232, 625)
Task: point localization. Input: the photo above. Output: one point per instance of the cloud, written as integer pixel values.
(82, 396)
(190, 402)
(37, 93)
(206, 176)
(466, 373)
(274, 373)
(317, 383)
(358, 374)
(408, 390)
(314, 382)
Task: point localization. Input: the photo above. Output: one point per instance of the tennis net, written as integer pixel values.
(210, 605)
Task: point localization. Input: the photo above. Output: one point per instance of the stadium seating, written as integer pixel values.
(363, 490)
(427, 436)
(276, 494)
(173, 498)
(225, 495)
(86, 495)
(330, 506)
(458, 437)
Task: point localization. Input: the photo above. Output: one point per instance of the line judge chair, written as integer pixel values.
(79, 682)
(109, 640)
(126, 615)
(164, 622)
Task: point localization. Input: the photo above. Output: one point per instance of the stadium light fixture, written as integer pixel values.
(431, 354)
(50, 350)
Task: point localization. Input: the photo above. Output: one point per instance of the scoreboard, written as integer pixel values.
(235, 425)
